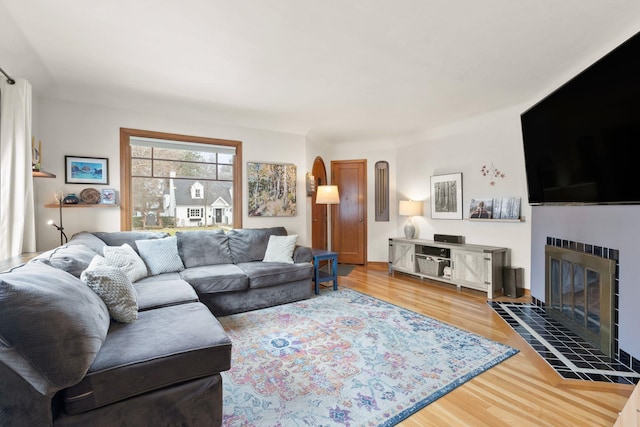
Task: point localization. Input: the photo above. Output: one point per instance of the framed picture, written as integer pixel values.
(108, 196)
(272, 189)
(481, 208)
(446, 196)
(506, 208)
(86, 170)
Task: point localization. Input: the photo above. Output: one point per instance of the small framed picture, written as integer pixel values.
(481, 208)
(86, 170)
(506, 208)
(108, 196)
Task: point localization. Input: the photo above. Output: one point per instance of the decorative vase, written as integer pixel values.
(71, 199)
(409, 230)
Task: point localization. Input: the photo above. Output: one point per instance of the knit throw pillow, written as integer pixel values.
(113, 286)
(127, 259)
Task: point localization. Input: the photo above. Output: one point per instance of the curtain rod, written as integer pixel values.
(9, 79)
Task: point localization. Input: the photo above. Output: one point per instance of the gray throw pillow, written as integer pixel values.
(113, 286)
(127, 259)
(160, 255)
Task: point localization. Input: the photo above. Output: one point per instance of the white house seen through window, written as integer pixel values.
(181, 185)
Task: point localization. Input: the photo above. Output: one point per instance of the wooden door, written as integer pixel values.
(349, 218)
(319, 225)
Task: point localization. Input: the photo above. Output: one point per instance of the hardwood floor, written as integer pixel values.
(521, 391)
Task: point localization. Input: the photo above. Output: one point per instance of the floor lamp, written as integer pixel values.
(60, 228)
(327, 195)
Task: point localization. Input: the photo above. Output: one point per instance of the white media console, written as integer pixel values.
(472, 266)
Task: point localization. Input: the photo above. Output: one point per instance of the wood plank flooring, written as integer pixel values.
(521, 391)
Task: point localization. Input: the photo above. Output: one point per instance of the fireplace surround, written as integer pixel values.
(579, 294)
(572, 356)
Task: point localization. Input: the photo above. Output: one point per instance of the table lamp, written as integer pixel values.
(410, 208)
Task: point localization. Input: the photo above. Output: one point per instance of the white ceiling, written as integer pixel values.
(342, 70)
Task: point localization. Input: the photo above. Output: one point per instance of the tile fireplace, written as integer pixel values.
(576, 328)
(580, 294)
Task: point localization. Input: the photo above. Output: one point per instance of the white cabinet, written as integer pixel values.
(402, 257)
(469, 268)
(473, 266)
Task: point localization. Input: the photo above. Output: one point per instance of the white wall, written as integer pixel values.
(465, 147)
(87, 130)
(378, 232)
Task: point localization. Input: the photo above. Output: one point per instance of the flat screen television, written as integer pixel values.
(580, 141)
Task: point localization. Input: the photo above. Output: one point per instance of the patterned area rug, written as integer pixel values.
(345, 359)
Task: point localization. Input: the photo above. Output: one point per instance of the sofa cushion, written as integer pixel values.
(302, 254)
(203, 247)
(159, 277)
(262, 275)
(51, 326)
(160, 255)
(163, 293)
(280, 249)
(73, 259)
(90, 240)
(127, 259)
(114, 288)
(250, 244)
(172, 345)
(119, 238)
(216, 278)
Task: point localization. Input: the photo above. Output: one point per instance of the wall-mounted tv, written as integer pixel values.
(580, 141)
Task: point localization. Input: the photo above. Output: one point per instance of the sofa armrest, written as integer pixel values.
(302, 254)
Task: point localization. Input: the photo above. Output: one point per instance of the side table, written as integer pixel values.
(320, 276)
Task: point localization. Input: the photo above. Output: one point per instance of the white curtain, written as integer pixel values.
(17, 217)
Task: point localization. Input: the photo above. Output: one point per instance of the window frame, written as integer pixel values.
(125, 170)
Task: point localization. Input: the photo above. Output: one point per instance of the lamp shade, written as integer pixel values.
(327, 195)
(410, 208)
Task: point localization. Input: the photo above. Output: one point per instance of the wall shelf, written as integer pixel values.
(521, 219)
(43, 174)
(80, 205)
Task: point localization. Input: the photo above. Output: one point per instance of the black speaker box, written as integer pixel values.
(446, 238)
(513, 279)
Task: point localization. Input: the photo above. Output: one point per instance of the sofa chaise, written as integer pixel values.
(77, 351)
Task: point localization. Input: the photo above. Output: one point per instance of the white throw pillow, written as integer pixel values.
(160, 255)
(113, 286)
(126, 258)
(280, 249)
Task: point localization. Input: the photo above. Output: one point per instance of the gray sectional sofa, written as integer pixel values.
(65, 361)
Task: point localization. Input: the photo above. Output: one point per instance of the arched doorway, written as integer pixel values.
(319, 225)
